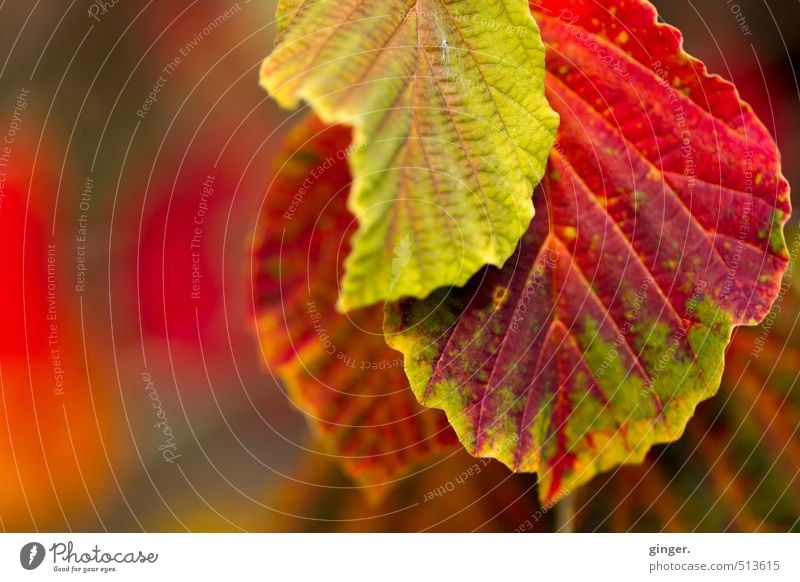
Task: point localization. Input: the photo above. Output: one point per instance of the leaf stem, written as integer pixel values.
(565, 514)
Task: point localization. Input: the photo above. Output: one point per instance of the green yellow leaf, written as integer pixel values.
(451, 129)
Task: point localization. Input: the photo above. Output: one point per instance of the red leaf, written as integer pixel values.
(658, 228)
(337, 368)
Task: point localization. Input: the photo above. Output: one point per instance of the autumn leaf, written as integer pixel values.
(337, 368)
(451, 129)
(658, 229)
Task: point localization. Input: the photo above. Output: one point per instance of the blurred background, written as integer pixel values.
(134, 393)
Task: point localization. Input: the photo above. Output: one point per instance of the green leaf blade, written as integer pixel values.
(451, 130)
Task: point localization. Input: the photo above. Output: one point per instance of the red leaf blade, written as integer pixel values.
(337, 369)
(659, 227)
